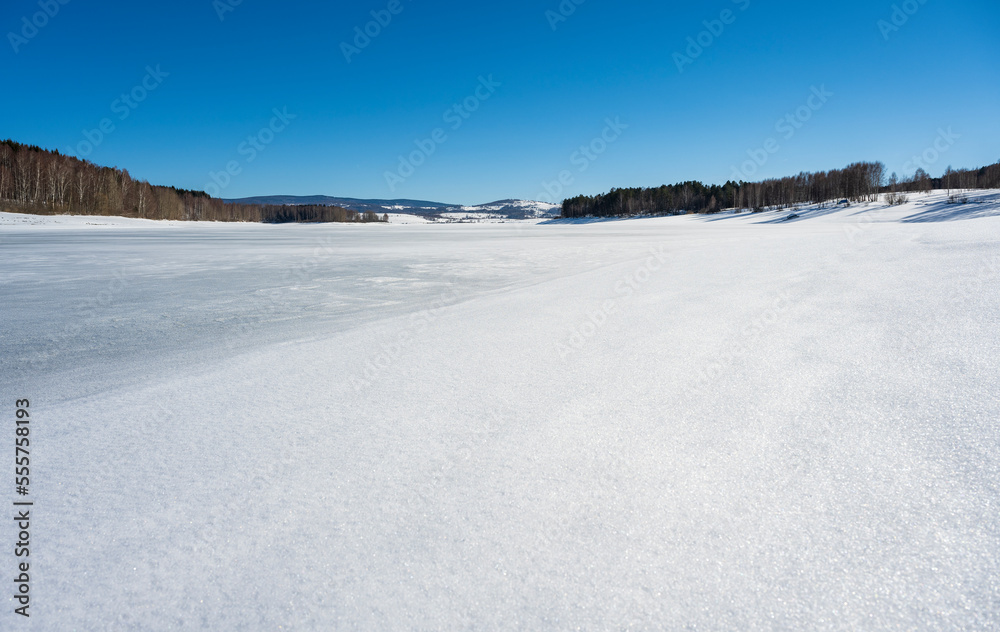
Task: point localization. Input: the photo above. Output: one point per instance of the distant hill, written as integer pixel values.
(350, 203)
(510, 209)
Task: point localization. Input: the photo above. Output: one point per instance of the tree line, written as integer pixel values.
(859, 182)
(42, 182)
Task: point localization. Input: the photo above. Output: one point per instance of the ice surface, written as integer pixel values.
(717, 423)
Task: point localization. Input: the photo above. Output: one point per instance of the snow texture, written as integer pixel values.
(730, 422)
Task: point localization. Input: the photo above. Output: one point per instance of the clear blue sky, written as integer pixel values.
(607, 60)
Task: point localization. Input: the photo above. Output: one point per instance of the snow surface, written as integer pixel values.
(716, 423)
(491, 217)
(532, 208)
(406, 218)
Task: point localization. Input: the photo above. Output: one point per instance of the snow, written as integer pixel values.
(406, 218)
(728, 422)
(539, 209)
(80, 221)
(494, 218)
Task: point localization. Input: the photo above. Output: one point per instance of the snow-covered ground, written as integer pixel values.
(487, 218)
(407, 218)
(717, 423)
(528, 208)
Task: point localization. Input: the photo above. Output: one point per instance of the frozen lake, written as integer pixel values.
(718, 423)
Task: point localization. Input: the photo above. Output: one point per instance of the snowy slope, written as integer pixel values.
(717, 423)
(515, 209)
(502, 209)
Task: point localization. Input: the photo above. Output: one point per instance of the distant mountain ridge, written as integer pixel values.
(300, 200)
(510, 209)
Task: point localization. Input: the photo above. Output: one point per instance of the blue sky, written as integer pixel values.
(554, 86)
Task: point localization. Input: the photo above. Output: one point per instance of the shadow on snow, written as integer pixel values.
(978, 206)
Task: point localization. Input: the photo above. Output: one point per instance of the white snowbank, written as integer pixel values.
(719, 423)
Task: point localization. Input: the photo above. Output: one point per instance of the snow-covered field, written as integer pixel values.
(706, 423)
(407, 218)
